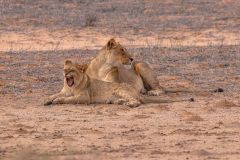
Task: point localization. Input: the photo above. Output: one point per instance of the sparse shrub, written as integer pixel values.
(90, 20)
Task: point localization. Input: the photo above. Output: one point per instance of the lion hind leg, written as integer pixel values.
(147, 74)
(149, 78)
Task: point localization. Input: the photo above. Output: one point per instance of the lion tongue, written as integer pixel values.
(70, 81)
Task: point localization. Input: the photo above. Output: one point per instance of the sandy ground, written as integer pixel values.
(190, 44)
(208, 128)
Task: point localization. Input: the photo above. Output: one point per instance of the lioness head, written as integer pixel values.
(73, 73)
(117, 53)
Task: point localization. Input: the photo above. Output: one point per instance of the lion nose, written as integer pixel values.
(131, 59)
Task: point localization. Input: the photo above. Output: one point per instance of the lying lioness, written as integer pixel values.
(108, 66)
(80, 88)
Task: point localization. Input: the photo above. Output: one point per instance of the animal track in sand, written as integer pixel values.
(225, 104)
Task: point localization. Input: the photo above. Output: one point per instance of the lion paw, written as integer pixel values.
(115, 101)
(58, 101)
(47, 102)
(155, 92)
(132, 104)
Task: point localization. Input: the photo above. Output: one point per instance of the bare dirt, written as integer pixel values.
(190, 44)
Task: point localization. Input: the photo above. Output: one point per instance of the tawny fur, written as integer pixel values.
(86, 90)
(108, 66)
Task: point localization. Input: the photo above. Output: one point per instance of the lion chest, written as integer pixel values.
(129, 76)
(100, 90)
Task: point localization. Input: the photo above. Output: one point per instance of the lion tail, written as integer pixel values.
(145, 99)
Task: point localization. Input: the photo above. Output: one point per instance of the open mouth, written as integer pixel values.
(70, 81)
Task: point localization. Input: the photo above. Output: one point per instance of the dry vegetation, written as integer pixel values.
(192, 44)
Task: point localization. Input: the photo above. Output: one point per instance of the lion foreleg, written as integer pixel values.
(51, 98)
(82, 99)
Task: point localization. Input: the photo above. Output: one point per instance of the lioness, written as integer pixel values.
(80, 88)
(108, 66)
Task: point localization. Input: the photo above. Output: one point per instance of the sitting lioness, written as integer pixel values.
(80, 88)
(108, 66)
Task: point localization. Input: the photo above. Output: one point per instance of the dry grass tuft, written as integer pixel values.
(90, 20)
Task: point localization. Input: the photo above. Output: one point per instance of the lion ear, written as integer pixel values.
(111, 43)
(68, 62)
(83, 68)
